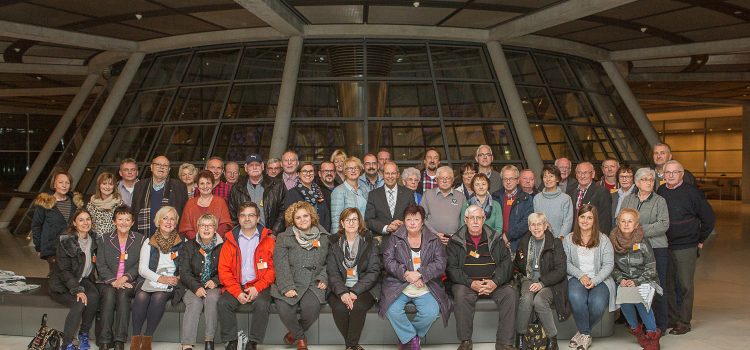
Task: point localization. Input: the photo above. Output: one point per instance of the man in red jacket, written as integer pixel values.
(246, 272)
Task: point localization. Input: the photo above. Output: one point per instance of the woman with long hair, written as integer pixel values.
(102, 204)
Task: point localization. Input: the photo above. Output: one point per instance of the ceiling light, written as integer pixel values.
(738, 12)
(138, 16)
(416, 4)
(644, 29)
(17, 49)
(38, 77)
(730, 129)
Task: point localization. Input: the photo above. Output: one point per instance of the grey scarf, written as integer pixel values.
(350, 252)
(305, 239)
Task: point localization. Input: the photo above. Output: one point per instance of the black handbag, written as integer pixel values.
(46, 338)
(535, 338)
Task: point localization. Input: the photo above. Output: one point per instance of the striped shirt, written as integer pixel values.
(479, 264)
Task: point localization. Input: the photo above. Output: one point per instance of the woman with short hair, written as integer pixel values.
(467, 170)
(187, 173)
(308, 190)
(338, 158)
(493, 211)
(554, 203)
(349, 194)
(410, 179)
(205, 203)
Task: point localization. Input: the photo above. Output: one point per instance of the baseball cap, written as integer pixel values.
(254, 158)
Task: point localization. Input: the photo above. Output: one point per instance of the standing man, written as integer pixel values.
(663, 154)
(371, 179)
(428, 178)
(266, 192)
(327, 181)
(221, 188)
(442, 205)
(152, 194)
(484, 158)
(598, 196)
(691, 220)
(246, 272)
(517, 205)
(384, 156)
(128, 178)
(610, 166)
(386, 205)
(528, 181)
(290, 162)
(566, 182)
(232, 173)
(273, 167)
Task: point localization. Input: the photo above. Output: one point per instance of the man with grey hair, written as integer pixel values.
(484, 159)
(290, 163)
(516, 204)
(598, 196)
(273, 167)
(661, 155)
(442, 205)
(565, 166)
(479, 266)
(691, 220)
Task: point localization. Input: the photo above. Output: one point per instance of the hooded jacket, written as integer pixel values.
(552, 268)
(230, 263)
(66, 273)
(48, 222)
(272, 204)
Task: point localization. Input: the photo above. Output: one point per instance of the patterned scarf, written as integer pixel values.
(144, 214)
(305, 239)
(312, 195)
(209, 249)
(622, 245)
(487, 205)
(165, 243)
(105, 204)
(350, 253)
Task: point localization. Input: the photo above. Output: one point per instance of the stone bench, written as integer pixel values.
(21, 314)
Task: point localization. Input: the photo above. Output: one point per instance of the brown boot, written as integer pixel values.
(639, 335)
(135, 342)
(146, 343)
(301, 344)
(652, 340)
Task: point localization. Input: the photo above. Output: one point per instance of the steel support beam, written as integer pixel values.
(687, 99)
(24, 110)
(64, 37)
(689, 77)
(631, 103)
(35, 92)
(559, 45)
(280, 137)
(57, 69)
(276, 14)
(682, 50)
(49, 147)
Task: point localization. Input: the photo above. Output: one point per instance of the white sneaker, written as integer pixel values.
(574, 341)
(584, 341)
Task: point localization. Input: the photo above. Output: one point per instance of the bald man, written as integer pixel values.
(589, 193)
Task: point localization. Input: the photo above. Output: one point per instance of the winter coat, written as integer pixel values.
(495, 221)
(456, 252)
(367, 263)
(191, 266)
(48, 222)
(230, 263)
(66, 274)
(108, 259)
(522, 207)
(552, 269)
(637, 264)
(272, 204)
(298, 268)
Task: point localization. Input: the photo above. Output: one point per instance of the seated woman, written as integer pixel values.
(199, 279)
(414, 263)
(540, 259)
(301, 278)
(205, 203)
(70, 282)
(307, 190)
(117, 266)
(590, 261)
(493, 211)
(635, 266)
(159, 276)
(353, 274)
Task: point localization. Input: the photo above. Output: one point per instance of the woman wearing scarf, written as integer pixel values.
(635, 267)
(307, 190)
(353, 273)
(103, 203)
(493, 211)
(158, 270)
(199, 277)
(301, 279)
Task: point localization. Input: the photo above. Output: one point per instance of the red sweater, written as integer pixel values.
(191, 213)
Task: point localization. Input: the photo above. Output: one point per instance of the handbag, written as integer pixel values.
(535, 338)
(46, 338)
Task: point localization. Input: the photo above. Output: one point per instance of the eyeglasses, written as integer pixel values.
(647, 179)
(206, 225)
(626, 176)
(251, 215)
(351, 220)
(161, 165)
(474, 218)
(673, 173)
(351, 168)
(307, 172)
(510, 179)
(483, 155)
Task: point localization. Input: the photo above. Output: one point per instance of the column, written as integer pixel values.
(630, 101)
(99, 126)
(745, 181)
(517, 113)
(280, 138)
(49, 147)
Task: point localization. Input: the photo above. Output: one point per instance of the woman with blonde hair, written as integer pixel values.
(187, 173)
(102, 204)
(338, 157)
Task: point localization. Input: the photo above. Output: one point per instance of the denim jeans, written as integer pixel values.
(629, 311)
(587, 305)
(427, 311)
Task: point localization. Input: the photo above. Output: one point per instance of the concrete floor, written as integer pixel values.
(722, 308)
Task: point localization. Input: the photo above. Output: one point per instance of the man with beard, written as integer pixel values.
(428, 178)
(371, 179)
(327, 180)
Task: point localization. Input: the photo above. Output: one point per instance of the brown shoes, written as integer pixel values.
(301, 344)
(288, 338)
(680, 329)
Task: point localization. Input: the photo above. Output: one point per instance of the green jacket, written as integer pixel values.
(495, 221)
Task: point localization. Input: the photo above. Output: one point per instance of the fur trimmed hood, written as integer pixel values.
(47, 200)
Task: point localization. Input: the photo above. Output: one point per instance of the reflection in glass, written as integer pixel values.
(149, 107)
(459, 62)
(463, 140)
(556, 71)
(592, 143)
(588, 75)
(575, 107)
(550, 140)
(212, 66)
(237, 141)
(605, 109)
(522, 67)
(185, 142)
(536, 103)
(464, 100)
(167, 70)
(408, 62)
(262, 63)
(199, 103)
(129, 143)
(396, 99)
(407, 140)
(253, 101)
(623, 145)
(316, 142)
(329, 100)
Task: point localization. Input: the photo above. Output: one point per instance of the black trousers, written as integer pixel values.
(309, 310)
(351, 322)
(227, 306)
(114, 314)
(79, 314)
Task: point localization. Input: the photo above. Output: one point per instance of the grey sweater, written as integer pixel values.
(558, 209)
(604, 263)
(654, 217)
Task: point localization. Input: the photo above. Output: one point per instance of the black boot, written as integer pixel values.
(232, 345)
(520, 343)
(209, 345)
(119, 345)
(552, 343)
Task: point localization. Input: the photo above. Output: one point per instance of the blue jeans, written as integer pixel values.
(660, 305)
(629, 311)
(587, 305)
(427, 311)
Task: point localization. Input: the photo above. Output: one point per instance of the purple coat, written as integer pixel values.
(397, 260)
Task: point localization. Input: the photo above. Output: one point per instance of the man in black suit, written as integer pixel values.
(595, 195)
(386, 204)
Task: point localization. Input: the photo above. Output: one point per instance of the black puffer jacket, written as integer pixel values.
(48, 222)
(552, 267)
(272, 204)
(66, 273)
(368, 268)
(191, 266)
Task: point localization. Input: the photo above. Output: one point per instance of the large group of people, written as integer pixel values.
(359, 233)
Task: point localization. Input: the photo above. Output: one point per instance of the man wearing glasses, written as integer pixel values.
(442, 205)
(327, 181)
(484, 158)
(152, 194)
(386, 205)
(517, 206)
(662, 154)
(128, 178)
(596, 195)
(371, 179)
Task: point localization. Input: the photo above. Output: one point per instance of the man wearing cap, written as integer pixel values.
(263, 190)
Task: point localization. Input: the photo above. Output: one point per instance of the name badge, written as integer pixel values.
(316, 243)
(350, 272)
(509, 202)
(636, 247)
(662, 181)
(123, 256)
(203, 252)
(260, 204)
(474, 254)
(262, 265)
(416, 260)
(93, 259)
(613, 190)
(173, 255)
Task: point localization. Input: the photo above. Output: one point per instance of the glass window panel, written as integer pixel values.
(537, 103)
(463, 140)
(149, 107)
(330, 100)
(575, 106)
(141, 73)
(122, 108)
(316, 142)
(237, 141)
(724, 140)
(253, 101)
(522, 67)
(262, 63)
(691, 160)
(131, 143)
(475, 101)
(588, 75)
(605, 108)
(590, 143)
(556, 71)
(16, 130)
(724, 162)
(459, 62)
(406, 62)
(185, 142)
(199, 103)
(625, 146)
(407, 140)
(167, 70)
(551, 141)
(332, 61)
(685, 141)
(212, 66)
(391, 99)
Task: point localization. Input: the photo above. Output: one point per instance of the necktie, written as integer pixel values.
(579, 201)
(391, 201)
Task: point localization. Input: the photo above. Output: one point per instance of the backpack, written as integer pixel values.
(46, 338)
